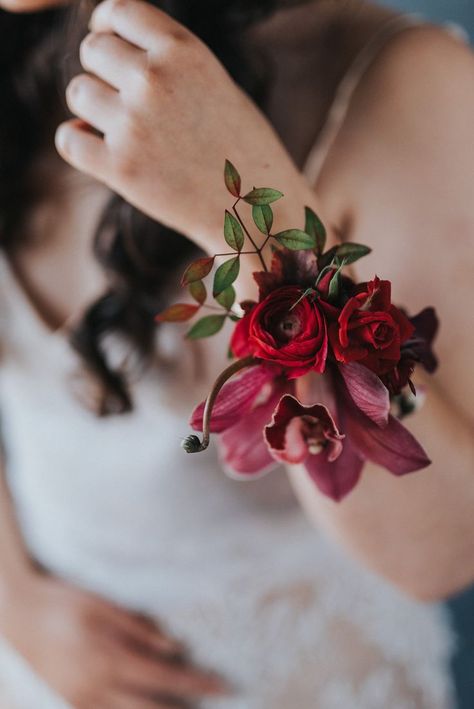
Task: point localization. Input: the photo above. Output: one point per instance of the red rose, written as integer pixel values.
(369, 329)
(277, 330)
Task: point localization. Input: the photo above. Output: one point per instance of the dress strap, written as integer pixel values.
(347, 88)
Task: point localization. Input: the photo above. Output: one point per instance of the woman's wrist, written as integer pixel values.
(288, 213)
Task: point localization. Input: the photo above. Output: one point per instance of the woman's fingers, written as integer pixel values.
(112, 59)
(82, 148)
(173, 680)
(145, 633)
(126, 700)
(138, 22)
(93, 100)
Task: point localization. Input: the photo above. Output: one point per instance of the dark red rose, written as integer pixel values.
(416, 350)
(292, 337)
(369, 329)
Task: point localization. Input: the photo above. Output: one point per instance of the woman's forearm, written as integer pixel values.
(417, 531)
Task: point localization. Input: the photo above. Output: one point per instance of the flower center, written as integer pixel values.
(313, 434)
(382, 331)
(289, 327)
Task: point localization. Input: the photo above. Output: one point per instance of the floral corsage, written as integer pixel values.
(310, 318)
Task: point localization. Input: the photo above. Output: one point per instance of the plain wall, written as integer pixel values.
(458, 11)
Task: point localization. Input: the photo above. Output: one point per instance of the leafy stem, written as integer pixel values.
(258, 249)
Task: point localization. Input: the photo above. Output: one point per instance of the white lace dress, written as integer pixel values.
(235, 569)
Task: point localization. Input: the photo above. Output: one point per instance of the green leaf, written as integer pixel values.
(198, 291)
(180, 312)
(335, 283)
(352, 252)
(206, 326)
(227, 298)
(262, 196)
(235, 318)
(307, 292)
(233, 232)
(263, 217)
(226, 275)
(328, 258)
(197, 270)
(315, 227)
(232, 179)
(296, 239)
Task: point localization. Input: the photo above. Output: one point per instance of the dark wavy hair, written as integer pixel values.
(38, 57)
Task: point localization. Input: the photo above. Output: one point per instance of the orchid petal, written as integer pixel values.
(392, 447)
(234, 400)
(285, 437)
(336, 479)
(243, 447)
(367, 391)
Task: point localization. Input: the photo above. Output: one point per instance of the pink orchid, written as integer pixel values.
(298, 431)
(244, 406)
(262, 423)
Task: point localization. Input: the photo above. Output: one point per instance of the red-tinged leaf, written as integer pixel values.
(198, 291)
(232, 179)
(197, 270)
(262, 195)
(233, 232)
(207, 326)
(180, 312)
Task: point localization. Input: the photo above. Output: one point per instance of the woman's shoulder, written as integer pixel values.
(424, 71)
(401, 177)
(406, 141)
(417, 93)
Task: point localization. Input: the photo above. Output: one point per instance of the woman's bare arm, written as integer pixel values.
(404, 171)
(394, 180)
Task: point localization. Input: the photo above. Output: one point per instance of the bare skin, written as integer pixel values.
(398, 527)
(399, 178)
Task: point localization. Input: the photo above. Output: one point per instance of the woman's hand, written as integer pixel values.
(170, 114)
(95, 654)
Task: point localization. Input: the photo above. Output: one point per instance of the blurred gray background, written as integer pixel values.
(459, 11)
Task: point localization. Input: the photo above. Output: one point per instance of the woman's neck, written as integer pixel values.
(54, 262)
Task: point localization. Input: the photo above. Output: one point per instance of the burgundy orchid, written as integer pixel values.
(297, 432)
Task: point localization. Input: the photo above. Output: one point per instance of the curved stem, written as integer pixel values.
(211, 399)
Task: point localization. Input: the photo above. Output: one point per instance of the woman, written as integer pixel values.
(116, 522)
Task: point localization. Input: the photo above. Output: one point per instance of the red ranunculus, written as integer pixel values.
(289, 335)
(369, 329)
